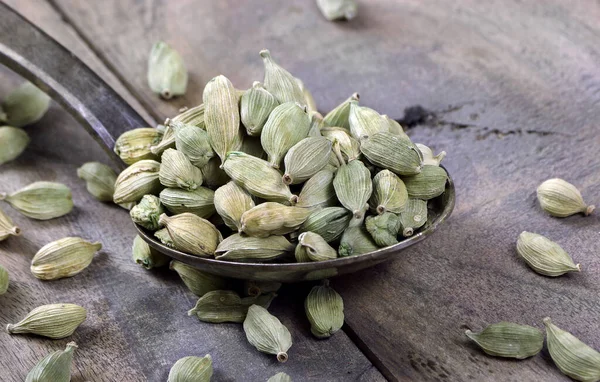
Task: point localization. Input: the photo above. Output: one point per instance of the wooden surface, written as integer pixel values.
(516, 90)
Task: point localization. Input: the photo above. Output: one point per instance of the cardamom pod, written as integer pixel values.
(318, 191)
(339, 116)
(280, 377)
(255, 106)
(329, 222)
(325, 310)
(392, 152)
(7, 227)
(428, 184)
(231, 201)
(544, 256)
(53, 321)
(222, 116)
(192, 234)
(561, 199)
(413, 217)
(193, 116)
(280, 82)
(365, 122)
(571, 356)
(23, 106)
(137, 180)
(227, 306)
(256, 288)
(192, 369)
(287, 125)
(395, 128)
(506, 339)
(164, 237)
(213, 174)
(100, 180)
(389, 193)
(384, 228)
(349, 147)
(338, 9)
(176, 170)
(146, 256)
(309, 100)
(305, 159)
(63, 258)
(356, 241)
(247, 248)
(167, 141)
(197, 281)
(428, 157)
(4, 280)
(147, 212)
(134, 145)
(41, 200)
(167, 75)
(266, 333)
(271, 218)
(13, 142)
(194, 143)
(312, 247)
(258, 177)
(353, 187)
(252, 146)
(55, 367)
(198, 202)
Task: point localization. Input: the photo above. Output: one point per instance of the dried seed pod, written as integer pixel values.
(506, 339)
(544, 256)
(356, 241)
(561, 199)
(339, 116)
(55, 367)
(392, 152)
(413, 217)
(137, 180)
(395, 128)
(384, 228)
(256, 288)
(53, 321)
(41, 200)
(312, 247)
(353, 187)
(280, 82)
(309, 101)
(305, 159)
(198, 202)
(365, 122)
(428, 157)
(4, 280)
(349, 147)
(227, 306)
(271, 218)
(13, 142)
(338, 9)
(192, 234)
(389, 193)
(249, 249)
(280, 377)
(255, 106)
(318, 191)
(213, 175)
(231, 201)
(7, 227)
(287, 125)
(23, 106)
(147, 212)
(63, 258)
(164, 237)
(167, 75)
(193, 116)
(194, 143)
(428, 184)
(134, 145)
(192, 369)
(329, 222)
(325, 310)
(100, 180)
(266, 333)
(176, 170)
(146, 256)
(198, 282)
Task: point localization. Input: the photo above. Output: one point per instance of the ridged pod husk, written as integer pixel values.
(428, 184)
(146, 256)
(324, 309)
(309, 101)
(255, 106)
(247, 248)
(391, 152)
(389, 193)
(194, 143)
(329, 222)
(266, 333)
(545, 256)
(312, 247)
(383, 228)
(213, 175)
(258, 177)
(270, 218)
(349, 146)
(63, 258)
(280, 377)
(561, 199)
(413, 217)
(55, 367)
(365, 122)
(339, 116)
(100, 180)
(506, 339)
(41, 200)
(193, 116)
(176, 170)
(252, 146)
(198, 202)
(256, 288)
(53, 321)
(395, 128)
(147, 212)
(198, 282)
(338, 9)
(4, 280)
(23, 106)
(192, 234)
(316, 124)
(7, 227)
(167, 75)
(192, 369)
(222, 116)
(134, 145)
(305, 159)
(13, 142)
(428, 157)
(164, 237)
(280, 82)
(356, 241)
(287, 125)
(167, 141)
(231, 201)
(353, 186)
(227, 306)
(573, 357)
(318, 191)
(137, 180)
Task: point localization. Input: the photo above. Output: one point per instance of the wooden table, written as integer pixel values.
(515, 89)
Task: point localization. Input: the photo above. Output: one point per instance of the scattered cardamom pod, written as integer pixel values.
(255, 106)
(100, 180)
(309, 100)
(428, 184)
(393, 153)
(63, 258)
(305, 159)
(353, 186)
(280, 82)
(192, 369)
(7, 227)
(41, 200)
(329, 222)
(280, 377)
(561, 199)
(365, 122)
(256, 288)
(544, 256)
(198, 202)
(506, 339)
(247, 248)
(167, 141)
(23, 106)
(356, 241)
(193, 116)
(231, 201)
(146, 256)
(384, 228)
(312, 247)
(194, 143)
(198, 282)
(134, 145)
(147, 212)
(53, 321)
(55, 367)
(164, 237)
(428, 157)
(339, 116)
(227, 306)
(271, 218)
(192, 234)
(413, 217)
(176, 170)
(167, 75)
(287, 125)
(318, 191)
(395, 128)
(13, 142)
(4, 280)
(212, 173)
(137, 180)
(325, 310)
(338, 9)
(349, 147)
(266, 333)
(389, 193)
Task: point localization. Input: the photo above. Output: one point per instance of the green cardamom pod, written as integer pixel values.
(167, 75)
(53, 321)
(134, 145)
(365, 122)
(192, 234)
(272, 218)
(305, 159)
(197, 281)
(356, 241)
(428, 184)
(395, 128)
(4, 280)
(164, 237)
(349, 147)
(7, 227)
(339, 117)
(192, 369)
(280, 377)
(384, 228)
(309, 100)
(194, 143)
(248, 248)
(353, 186)
(193, 116)
(316, 124)
(545, 256)
(392, 152)
(266, 333)
(213, 175)
(147, 212)
(256, 288)
(41, 200)
(506, 339)
(222, 116)
(167, 141)
(198, 202)
(329, 222)
(338, 9)
(100, 180)
(23, 106)
(55, 367)
(287, 125)
(561, 199)
(280, 82)
(258, 177)
(13, 142)
(227, 306)
(318, 191)
(324, 309)
(146, 256)
(389, 193)
(413, 217)
(63, 258)
(312, 247)
(255, 106)
(137, 180)
(571, 356)
(231, 201)
(428, 157)
(176, 170)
